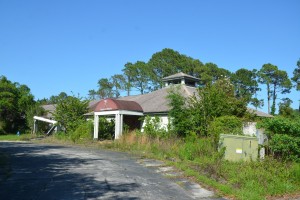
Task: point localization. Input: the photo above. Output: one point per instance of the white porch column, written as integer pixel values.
(96, 126)
(118, 125)
(121, 125)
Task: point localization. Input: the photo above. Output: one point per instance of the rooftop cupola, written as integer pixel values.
(181, 78)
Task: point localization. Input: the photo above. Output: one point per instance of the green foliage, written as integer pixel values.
(195, 148)
(285, 109)
(197, 113)
(246, 85)
(284, 135)
(54, 99)
(285, 147)
(153, 127)
(139, 76)
(225, 125)
(105, 88)
(15, 100)
(181, 122)
(70, 112)
(280, 125)
(106, 128)
(34, 110)
(62, 136)
(14, 137)
(83, 133)
(277, 81)
(119, 83)
(168, 62)
(214, 101)
(296, 75)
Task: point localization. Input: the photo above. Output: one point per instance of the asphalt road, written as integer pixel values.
(45, 172)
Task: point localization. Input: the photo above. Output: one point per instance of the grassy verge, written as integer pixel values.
(14, 137)
(198, 159)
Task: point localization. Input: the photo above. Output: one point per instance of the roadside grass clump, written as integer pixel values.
(83, 133)
(198, 158)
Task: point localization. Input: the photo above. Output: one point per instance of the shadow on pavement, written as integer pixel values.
(38, 175)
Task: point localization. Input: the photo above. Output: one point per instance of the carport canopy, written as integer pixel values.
(117, 108)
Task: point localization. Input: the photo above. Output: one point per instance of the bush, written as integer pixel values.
(83, 133)
(281, 125)
(106, 128)
(153, 127)
(195, 147)
(225, 125)
(284, 136)
(285, 147)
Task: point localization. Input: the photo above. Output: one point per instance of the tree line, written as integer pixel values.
(145, 77)
(17, 104)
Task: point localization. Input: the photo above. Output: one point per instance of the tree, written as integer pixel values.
(215, 100)
(55, 98)
(195, 114)
(105, 88)
(168, 62)
(138, 75)
(210, 73)
(70, 112)
(179, 114)
(296, 77)
(246, 85)
(276, 80)
(34, 110)
(128, 77)
(285, 108)
(119, 83)
(15, 99)
(93, 95)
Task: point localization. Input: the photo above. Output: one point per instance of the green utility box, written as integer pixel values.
(239, 147)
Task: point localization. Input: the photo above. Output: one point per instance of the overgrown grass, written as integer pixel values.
(199, 160)
(14, 137)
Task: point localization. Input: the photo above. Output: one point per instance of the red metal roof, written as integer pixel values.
(114, 104)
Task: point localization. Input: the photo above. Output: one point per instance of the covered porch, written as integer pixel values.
(120, 110)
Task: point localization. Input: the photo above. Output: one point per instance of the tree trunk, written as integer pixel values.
(269, 97)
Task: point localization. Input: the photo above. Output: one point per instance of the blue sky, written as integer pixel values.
(68, 45)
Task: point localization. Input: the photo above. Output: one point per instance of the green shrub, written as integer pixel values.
(195, 147)
(285, 147)
(296, 172)
(106, 128)
(284, 137)
(281, 125)
(153, 127)
(225, 125)
(61, 136)
(84, 132)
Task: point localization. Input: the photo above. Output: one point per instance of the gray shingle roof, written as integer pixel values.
(49, 110)
(259, 113)
(156, 101)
